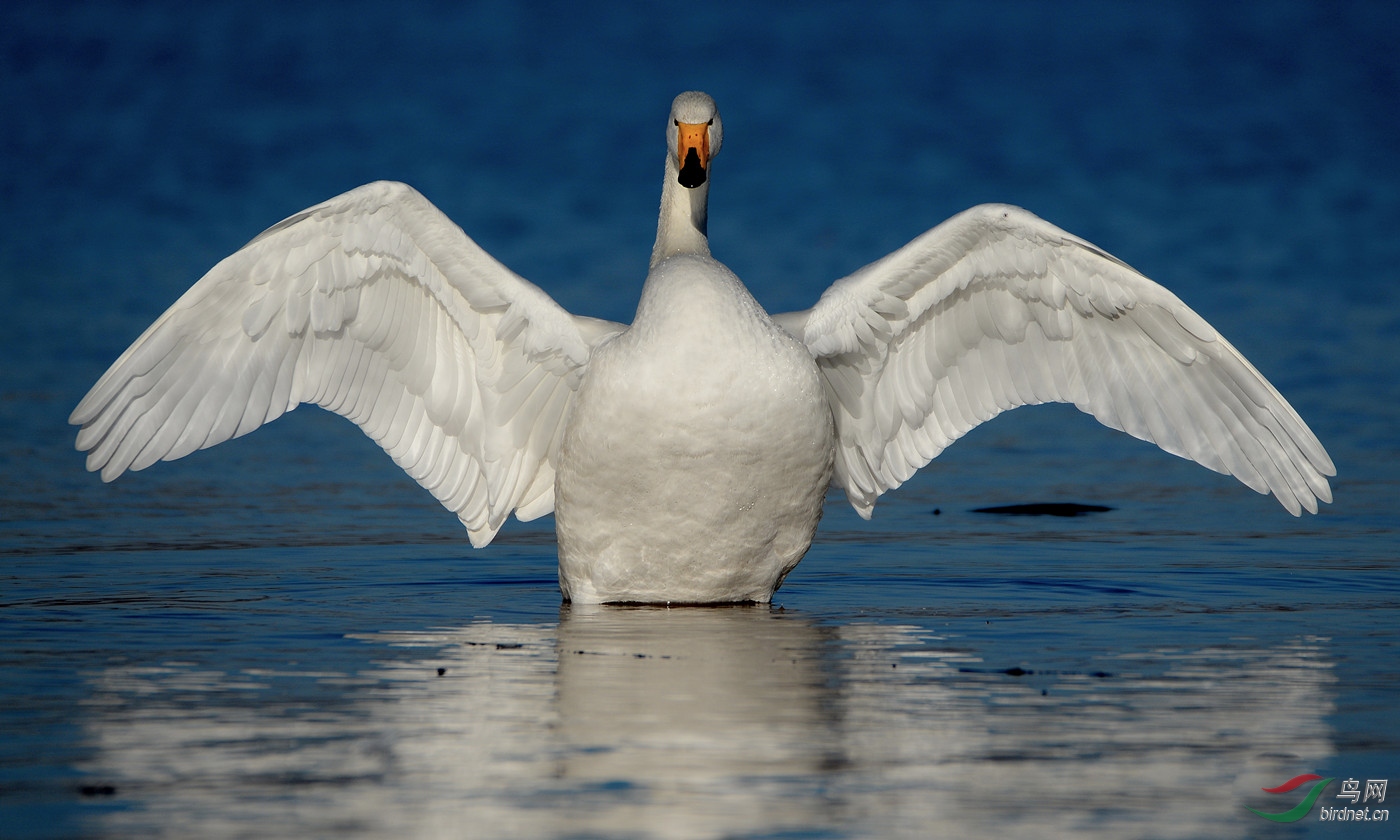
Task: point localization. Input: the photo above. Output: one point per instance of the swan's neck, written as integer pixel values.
(680, 229)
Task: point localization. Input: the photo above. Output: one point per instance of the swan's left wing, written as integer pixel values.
(997, 308)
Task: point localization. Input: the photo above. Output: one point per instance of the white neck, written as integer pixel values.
(680, 229)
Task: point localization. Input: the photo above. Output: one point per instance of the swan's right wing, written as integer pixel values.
(376, 306)
(996, 308)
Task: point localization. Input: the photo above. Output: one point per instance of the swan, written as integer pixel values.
(686, 455)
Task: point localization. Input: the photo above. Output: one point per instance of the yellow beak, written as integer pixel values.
(693, 148)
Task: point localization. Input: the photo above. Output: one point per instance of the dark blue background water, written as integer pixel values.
(247, 642)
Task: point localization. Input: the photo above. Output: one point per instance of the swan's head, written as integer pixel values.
(693, 136)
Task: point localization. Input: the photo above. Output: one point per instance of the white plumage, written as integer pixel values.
(687, 454)
(996, 308)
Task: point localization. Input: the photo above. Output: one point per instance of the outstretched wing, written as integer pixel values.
(376, 306)
(997, 308)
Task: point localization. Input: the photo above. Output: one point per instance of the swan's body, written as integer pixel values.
(699, 452)
(685, 456)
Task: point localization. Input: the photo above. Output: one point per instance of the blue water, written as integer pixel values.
(248, 642)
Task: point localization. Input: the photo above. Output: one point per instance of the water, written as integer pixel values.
(284, 636)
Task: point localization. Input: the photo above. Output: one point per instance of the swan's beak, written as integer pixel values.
(693, 146)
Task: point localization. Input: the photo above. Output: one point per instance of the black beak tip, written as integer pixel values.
(692, 173)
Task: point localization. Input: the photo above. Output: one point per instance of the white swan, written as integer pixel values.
(686, 456)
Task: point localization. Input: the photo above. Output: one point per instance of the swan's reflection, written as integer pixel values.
(702, 723)
(708, 721)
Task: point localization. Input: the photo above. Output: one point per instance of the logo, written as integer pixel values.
(1351, 789)
(1297, 812)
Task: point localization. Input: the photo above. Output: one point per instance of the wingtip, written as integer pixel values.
(865, 508)
(108, 472)
(481, 537)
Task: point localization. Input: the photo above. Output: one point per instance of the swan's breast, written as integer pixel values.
(698, 451)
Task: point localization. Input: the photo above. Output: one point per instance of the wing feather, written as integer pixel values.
(375, 306)
(995, 309)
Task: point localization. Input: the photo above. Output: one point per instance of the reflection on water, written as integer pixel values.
(705, 723)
